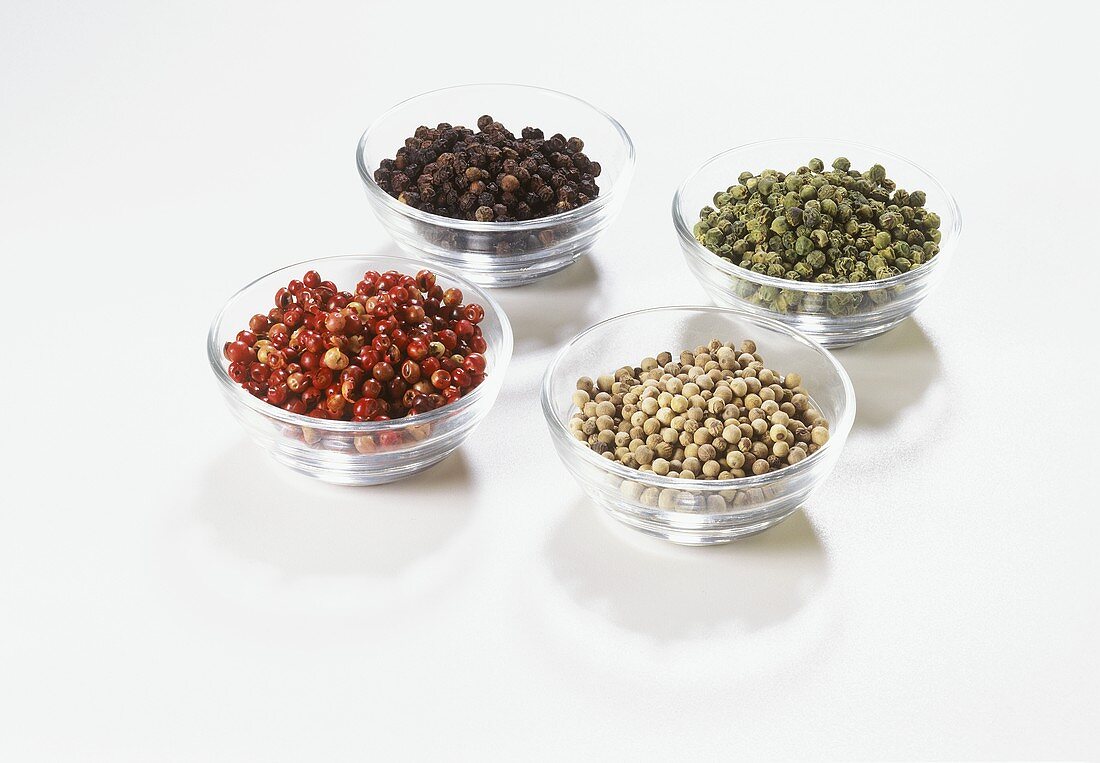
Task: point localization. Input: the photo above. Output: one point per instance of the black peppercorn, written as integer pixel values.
(489, 175)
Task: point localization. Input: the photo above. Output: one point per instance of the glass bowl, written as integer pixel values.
(348, 452)
(509, 253)
(695, 512)
(836, 315)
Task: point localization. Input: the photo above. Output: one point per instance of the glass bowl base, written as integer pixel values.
(354, 476)
(709, 535)
(499, 273)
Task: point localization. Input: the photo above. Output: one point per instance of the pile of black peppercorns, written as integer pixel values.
(489, 175)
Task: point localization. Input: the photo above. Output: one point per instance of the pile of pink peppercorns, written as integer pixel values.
(398, 346)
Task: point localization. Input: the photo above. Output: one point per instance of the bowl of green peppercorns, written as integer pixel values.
(840, 240)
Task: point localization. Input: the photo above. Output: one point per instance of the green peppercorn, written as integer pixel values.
(819, 225)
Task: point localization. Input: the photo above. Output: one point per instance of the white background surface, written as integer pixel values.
(167, 592)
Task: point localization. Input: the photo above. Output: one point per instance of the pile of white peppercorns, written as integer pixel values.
(717, 414)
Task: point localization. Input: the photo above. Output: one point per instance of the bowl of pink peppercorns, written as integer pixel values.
(360, 370)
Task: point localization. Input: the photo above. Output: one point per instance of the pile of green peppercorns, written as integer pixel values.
(837, 226)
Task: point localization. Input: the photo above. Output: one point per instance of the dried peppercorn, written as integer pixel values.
(825, 226)
(716, 413)
(489, 175)
(365, 355)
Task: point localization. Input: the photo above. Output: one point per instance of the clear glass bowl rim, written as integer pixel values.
(947, 245)
(580, 213)
(492, 383)
(838, 430)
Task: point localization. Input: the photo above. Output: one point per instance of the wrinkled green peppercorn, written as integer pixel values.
(717, 413)
(490, 175)
(833, 227)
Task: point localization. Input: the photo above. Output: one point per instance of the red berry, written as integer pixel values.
(238, 352)
(277, 395)
(238, 372)
(474, 363)
(464, 329)
(473, 313)
(371, 389)
(452, 297)
(410, 371)
(417, 349)
(405, 344)
(382, 372)
(448, 339)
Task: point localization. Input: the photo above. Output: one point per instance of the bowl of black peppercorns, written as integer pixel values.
(503, 183)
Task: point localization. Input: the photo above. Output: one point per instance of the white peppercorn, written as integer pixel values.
(631, 490)
(780, 433)
(718, 413)
(668, 498)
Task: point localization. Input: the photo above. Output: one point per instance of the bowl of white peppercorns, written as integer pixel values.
(698, 425)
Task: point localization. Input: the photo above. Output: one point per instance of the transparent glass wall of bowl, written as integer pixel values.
(357, 453)
(695, 512)
(835, 315)
(500, 254)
